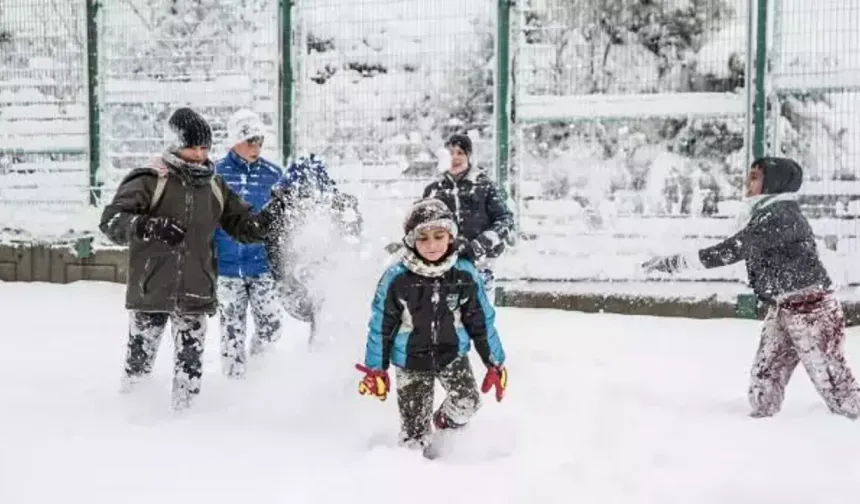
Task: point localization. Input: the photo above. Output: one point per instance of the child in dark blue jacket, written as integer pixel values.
(428, 309)
(804, 322)
(312, 200)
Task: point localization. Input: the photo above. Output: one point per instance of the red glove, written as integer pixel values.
(375, 382)
(497, 376)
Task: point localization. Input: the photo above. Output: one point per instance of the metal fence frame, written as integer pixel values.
(761, 15)
(504, 107)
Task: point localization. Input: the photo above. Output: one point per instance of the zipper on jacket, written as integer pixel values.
(434, 323)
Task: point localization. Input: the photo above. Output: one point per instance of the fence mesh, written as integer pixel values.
(630, 115)
(382, 83)
(43, 107)
(632, 129)
(815, 76)
(156, 55)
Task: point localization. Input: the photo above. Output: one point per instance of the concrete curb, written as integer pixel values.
(74, 261)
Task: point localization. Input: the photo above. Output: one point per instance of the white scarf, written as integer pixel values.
(755, 204)
(419, 266)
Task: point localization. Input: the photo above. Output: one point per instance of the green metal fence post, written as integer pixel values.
(93, 100)
(503, 55)
(286, 80)
(760, 71)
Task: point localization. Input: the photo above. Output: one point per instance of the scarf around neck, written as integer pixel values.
(419, 266)
(754, 205)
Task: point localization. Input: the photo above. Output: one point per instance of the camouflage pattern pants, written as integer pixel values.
(189, 334)
(415, 391)
(235, 295)
(808, 329)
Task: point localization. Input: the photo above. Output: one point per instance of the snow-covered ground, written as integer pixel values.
(596, 412)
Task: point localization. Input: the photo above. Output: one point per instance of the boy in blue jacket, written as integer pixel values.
(244, 273)
(428, 309)
(804, 323)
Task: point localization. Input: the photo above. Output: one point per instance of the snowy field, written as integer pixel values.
(596, 413)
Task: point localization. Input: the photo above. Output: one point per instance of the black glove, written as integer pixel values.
(472, 249)
(271, 214)
(666, 264)
(164, 229)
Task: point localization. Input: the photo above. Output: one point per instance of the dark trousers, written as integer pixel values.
(415, 391)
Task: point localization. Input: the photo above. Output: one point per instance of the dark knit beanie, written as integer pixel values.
(462, 141)
(186, 128)
(427, 213)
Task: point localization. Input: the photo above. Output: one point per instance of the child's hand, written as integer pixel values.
(497, 376)
(375, 382)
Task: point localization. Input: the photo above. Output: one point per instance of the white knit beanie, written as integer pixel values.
(242, 125)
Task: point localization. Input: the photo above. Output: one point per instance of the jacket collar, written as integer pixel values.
(237, 160)
(755, 204)
(471, 175)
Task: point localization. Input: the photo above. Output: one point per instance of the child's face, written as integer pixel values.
(432, 243)
(198, 154)
(459, 159)
(755, 180)
(250, 149)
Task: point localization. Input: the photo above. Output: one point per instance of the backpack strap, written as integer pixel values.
(216, 191)
(160, 170)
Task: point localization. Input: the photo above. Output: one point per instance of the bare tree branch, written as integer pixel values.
(137, 13)
(68, 23)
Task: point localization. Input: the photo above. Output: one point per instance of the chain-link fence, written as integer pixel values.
(216, 57)
(382, 83)
(43, 108)
(814, 104)
(632, 121)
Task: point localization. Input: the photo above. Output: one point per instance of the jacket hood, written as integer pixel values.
(781, 175)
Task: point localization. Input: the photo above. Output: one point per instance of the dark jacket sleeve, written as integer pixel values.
(501, 217)
(769, 229)
(385, 319)
(479, 319)
(131, 200)
(237, 220)
(491, 241)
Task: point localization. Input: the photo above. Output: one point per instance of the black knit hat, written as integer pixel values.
(186, 128)
(462, 141)
(427, 213)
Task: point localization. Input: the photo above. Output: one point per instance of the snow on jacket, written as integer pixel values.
(309, 192)
(478, 205)
(253, 182)
(777, 241)
(422, 322)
